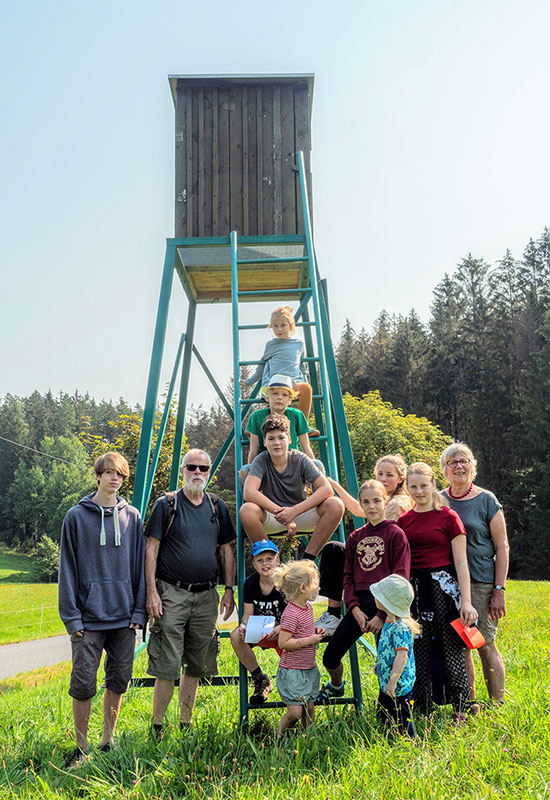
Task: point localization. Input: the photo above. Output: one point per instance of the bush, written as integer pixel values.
(47, 559)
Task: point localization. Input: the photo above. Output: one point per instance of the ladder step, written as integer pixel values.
(262, 326)
(334, 701)
(309, 359)
(259, 292)
(248, 401)
(215, 680)
(287, 260)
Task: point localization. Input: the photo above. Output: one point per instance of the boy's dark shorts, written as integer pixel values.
(118, 644)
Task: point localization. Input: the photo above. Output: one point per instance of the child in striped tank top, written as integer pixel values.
(298, 675)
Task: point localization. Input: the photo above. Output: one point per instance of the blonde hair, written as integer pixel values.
(289, 577)
(372, 484)
(453, 450)
(411, 623)
(397, 461)
(286, 313)
(421, 468)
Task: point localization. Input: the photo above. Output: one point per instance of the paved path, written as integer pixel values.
(24, 656)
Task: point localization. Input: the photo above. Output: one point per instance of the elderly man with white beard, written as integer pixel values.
(189, 543)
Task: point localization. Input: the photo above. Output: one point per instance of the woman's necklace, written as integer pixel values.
(460, 496)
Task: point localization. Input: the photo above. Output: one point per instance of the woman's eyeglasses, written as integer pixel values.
(462, 462)
(195, 467)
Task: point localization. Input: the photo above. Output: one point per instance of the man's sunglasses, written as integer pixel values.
(195, 467)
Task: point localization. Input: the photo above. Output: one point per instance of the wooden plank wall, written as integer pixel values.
(235, 152)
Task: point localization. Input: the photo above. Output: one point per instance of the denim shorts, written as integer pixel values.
(298, 686)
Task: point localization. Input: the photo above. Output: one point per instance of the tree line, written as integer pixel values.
(480, 370)
(477, 371)
(48, 445)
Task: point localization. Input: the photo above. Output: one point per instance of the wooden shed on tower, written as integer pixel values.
(237, 139)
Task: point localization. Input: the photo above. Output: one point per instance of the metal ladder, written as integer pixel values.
(327, 399)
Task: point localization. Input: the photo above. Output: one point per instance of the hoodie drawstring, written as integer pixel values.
(117, 527)
(102, 537)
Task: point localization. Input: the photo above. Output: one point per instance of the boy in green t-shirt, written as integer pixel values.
(279, 395)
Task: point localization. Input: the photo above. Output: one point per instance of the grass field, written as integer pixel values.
(503, 753)
(27, 610)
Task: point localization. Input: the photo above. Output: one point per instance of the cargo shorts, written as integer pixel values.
(185, 638)
(119, 644)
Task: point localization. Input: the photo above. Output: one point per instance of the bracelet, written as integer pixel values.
(232, 588)
(243, 626)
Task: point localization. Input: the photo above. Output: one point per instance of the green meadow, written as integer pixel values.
(28, 610)
(502, 753)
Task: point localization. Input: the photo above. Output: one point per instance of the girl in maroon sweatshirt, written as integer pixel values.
(374, 551)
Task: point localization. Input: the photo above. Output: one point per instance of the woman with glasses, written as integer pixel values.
(487, 549)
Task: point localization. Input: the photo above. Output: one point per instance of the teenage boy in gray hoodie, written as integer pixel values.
(101, 596)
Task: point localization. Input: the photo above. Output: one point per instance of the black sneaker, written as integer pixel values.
(76, 758)
(262, 688)
(328, 691)
(106, 748)
(157, 731)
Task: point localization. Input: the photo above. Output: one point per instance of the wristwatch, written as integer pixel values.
(231, 587)
(500, 586)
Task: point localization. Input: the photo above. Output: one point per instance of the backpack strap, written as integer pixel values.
(172, 500)
(214, 501)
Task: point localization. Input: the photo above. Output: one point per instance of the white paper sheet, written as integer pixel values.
(257, 628)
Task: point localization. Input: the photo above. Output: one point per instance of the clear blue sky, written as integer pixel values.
(431, 131)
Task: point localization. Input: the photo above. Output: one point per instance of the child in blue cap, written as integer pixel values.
(260, 598)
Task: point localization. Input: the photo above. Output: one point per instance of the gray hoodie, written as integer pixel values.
(101, 567)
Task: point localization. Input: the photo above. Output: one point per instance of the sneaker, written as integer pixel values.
(329, 622)
(106, 748)
(262, 688)
(328, 691)
(313, 433)
(76, 758)
(157, 731)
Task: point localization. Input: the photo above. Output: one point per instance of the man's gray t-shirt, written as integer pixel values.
(476, 514)
(284, 488)
(189, 552)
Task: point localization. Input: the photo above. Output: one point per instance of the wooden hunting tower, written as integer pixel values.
(243, 233)
(237, 139)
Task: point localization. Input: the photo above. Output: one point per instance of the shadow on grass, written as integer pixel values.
(28, 576)
(19, 567)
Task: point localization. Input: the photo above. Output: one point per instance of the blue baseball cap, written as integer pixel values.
(262, 545)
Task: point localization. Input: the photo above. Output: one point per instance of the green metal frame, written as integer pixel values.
(312, 316)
